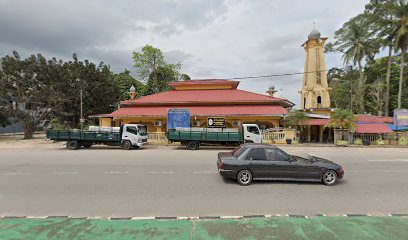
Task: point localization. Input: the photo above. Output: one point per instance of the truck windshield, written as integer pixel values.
(142, 130)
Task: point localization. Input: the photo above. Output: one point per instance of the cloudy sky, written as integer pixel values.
(212, 38)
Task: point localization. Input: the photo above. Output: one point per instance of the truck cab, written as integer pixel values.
(251, 133)
(133, 135)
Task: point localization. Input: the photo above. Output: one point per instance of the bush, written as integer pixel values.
(358, 141)
(403, 141)
(56, 124)
(341, 143)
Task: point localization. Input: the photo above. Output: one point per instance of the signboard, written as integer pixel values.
(216, 122)
(178, 118)
(401, 117)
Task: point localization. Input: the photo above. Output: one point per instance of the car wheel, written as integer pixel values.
(126, 145)
(329, 178)
(244, 177)
(192, 145)
(73, 145)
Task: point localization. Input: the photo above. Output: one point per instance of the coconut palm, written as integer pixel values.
(383, 22)
(343, 119)
(297, 119)
(356, 43)
(401, 40)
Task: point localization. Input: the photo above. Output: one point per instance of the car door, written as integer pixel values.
(258, 163)
(280, 164)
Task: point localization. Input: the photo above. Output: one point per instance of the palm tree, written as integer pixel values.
(343, 119)
(297, 119)
(383, 23)
(401, 40)
(356, 43)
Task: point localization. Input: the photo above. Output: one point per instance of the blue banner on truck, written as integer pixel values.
(178, 118)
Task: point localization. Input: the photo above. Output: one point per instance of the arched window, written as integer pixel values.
(304, 103)
(319, 100)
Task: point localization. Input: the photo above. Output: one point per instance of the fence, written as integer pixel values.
(157, 137)
(367, 137)
(278, 137)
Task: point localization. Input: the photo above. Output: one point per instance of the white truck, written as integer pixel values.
(127, 136)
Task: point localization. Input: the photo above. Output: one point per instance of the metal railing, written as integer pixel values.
(157, 137)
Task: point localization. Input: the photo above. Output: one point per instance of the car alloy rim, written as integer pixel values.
(244, 177)
(329, 177)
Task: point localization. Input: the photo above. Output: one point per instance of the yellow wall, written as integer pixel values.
(105, 122)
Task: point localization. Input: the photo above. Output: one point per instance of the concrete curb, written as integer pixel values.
(207, 217)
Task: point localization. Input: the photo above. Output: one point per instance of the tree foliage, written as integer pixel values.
(383, 24)
(343, 119)
(45, 89)
(297, 119)
(153, 69)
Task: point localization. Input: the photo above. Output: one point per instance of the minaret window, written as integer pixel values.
(304, 103)
(319, 100)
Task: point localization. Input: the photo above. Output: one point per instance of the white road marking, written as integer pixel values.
(16, 174)
(205, 172)
(116, 172)
(161, 172)
(370, 171)
(231, 217)
(142, 218)
(36, 217)
(64, 173)
(388, 160)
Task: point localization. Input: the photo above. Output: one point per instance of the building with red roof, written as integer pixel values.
(204, 99)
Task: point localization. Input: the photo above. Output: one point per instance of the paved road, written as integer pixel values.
(169, 181)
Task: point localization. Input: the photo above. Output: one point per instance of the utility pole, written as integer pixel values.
(81, 120)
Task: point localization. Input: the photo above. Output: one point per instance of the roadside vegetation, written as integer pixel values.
(35, 88)
(379, 83)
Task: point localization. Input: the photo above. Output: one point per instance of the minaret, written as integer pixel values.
(315, 90)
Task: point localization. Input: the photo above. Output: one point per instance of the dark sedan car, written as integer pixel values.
(266, 162)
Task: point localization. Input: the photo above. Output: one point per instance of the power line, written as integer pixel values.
(276, 75)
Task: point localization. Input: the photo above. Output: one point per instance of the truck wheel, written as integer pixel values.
(193, 145)
(126, 145)
(73, 145)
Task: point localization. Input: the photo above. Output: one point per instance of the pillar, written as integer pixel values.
(321, 129)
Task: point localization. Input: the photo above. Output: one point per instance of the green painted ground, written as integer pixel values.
(259, 228)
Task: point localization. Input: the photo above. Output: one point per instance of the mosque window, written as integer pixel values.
(319, 100)
(304, 103)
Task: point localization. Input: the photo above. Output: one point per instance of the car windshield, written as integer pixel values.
(142, 130)
(238, 151)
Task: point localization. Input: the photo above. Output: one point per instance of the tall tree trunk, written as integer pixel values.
(387, 80)
(29, 128)
(401, 79)
(360, 88)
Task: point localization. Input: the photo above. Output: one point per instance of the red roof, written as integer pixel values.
(240, 110)
(201, 96)
(368, 118)
(373, 128)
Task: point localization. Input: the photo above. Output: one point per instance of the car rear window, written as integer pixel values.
(238, 151)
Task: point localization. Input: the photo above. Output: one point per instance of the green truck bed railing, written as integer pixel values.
(67, 135)
(182, 135)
